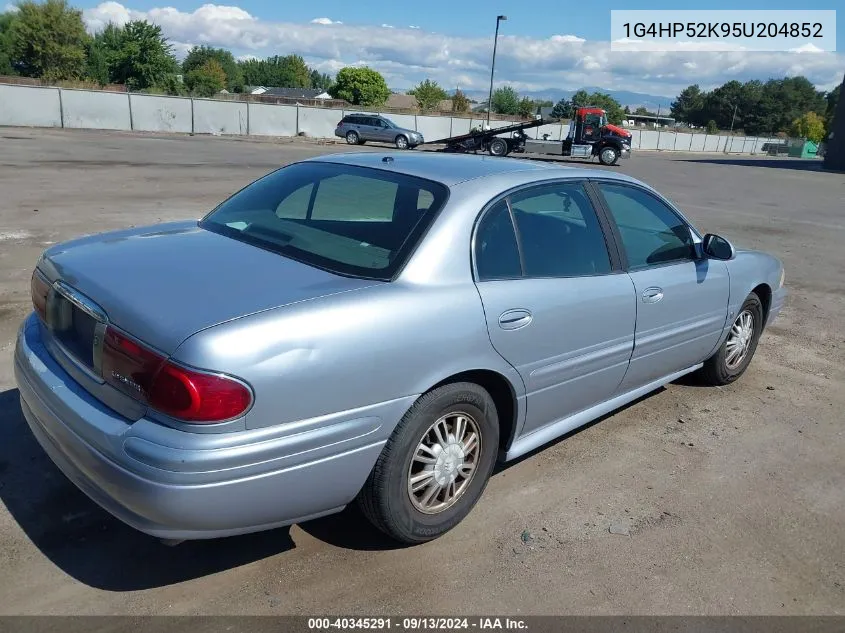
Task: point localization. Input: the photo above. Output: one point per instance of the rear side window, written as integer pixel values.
(496, 250)
(351, 220)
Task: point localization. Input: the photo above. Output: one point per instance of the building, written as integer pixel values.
(649, 120)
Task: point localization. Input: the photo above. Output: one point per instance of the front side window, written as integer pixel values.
(559, 232)
(351, 220)
(652, 234)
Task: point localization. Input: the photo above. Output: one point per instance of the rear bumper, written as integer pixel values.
(179, 485)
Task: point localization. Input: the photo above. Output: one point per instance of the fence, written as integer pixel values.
(70, 108)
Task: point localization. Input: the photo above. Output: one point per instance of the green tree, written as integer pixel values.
(460, 102)
(101, 53)
(505, 101)
(144, 58)
(642, 110)
(580, 99)
(6, 67)
(834, 158)
(360, 85)
(526, 107)
(711, 127)
(627, 110)
(206, 80)
(809, 126)
(289, 71)
(198, 55)
(48, 40)
(428, 94)
(562, 109)
(322, 81)
(689, 105)
(832, 99)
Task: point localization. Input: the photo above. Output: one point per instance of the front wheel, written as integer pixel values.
(435, 466)
(735, 354)
(401, 142)
(608, 155)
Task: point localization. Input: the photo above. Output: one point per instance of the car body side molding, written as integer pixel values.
(553, 431)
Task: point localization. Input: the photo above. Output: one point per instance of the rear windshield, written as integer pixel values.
(354, 221)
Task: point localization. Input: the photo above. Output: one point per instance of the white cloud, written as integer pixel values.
(10, 8)
(809, 47)
(413, 27)
(324, 21)
(387, 26)
(407, 55)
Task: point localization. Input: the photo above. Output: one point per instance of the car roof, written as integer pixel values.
(452, 169)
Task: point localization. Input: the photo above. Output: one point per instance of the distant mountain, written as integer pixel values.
(631, 99)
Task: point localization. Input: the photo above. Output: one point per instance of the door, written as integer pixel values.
(682, 300)
(557, 309)
(379, 130)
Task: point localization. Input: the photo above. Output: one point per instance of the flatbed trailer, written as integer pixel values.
(490, 140)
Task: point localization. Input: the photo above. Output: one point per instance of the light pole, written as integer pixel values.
(499, 18)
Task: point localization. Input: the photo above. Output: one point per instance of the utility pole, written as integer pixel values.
(499, 18)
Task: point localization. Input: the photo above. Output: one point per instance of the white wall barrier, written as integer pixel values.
(219, 117)
(30, 106)
(434, 128)
(648, 139)
(95, 110)
(272, 120)
(152, 113)
(318, 122)
(54, 107)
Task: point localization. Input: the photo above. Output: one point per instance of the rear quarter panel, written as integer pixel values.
(349, 351)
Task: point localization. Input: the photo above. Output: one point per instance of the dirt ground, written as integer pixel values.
(731, 500)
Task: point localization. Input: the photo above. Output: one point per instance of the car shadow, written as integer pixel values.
(89, 544)
(93, 547)
(798, 164)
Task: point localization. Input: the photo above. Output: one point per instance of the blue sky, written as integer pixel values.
(543, 45)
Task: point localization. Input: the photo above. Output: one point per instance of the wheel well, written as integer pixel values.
(765, 293)
(500, 390)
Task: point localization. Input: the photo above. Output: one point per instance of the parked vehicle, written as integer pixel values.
(589, 135)
(371, 327)
(357, 129)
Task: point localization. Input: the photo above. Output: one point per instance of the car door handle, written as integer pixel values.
(514, 319)
(652, 295)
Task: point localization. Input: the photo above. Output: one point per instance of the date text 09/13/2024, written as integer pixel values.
(416, 623)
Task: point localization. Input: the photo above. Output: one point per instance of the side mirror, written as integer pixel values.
(717, 247)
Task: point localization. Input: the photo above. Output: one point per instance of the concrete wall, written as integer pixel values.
(434, 127)
(219, 117)
(29, 106)
(319, 122)
(95, 110)
(53, 107)
(272, 120)
(151, 113)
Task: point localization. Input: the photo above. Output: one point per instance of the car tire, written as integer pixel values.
(608, 155)
(720, 369)
(401, 142)
(353, 138)
(498, 147)
(412, 516)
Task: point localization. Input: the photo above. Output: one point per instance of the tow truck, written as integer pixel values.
(589, 135)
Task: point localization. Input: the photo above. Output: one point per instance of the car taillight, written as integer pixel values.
(39, 288)
(181, 393)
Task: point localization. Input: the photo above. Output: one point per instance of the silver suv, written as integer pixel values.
(360, 128)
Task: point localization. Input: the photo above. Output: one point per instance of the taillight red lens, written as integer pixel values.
(40, 288)
(198, 397)
(181, 393)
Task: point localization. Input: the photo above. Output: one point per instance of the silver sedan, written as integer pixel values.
(372, 328)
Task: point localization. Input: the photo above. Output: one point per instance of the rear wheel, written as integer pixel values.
(735, 354)
(608, 155)
(498, 147)
(401, 142)
(435, 466)
(352, 137)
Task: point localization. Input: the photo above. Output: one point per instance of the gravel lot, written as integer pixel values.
(732, 498)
